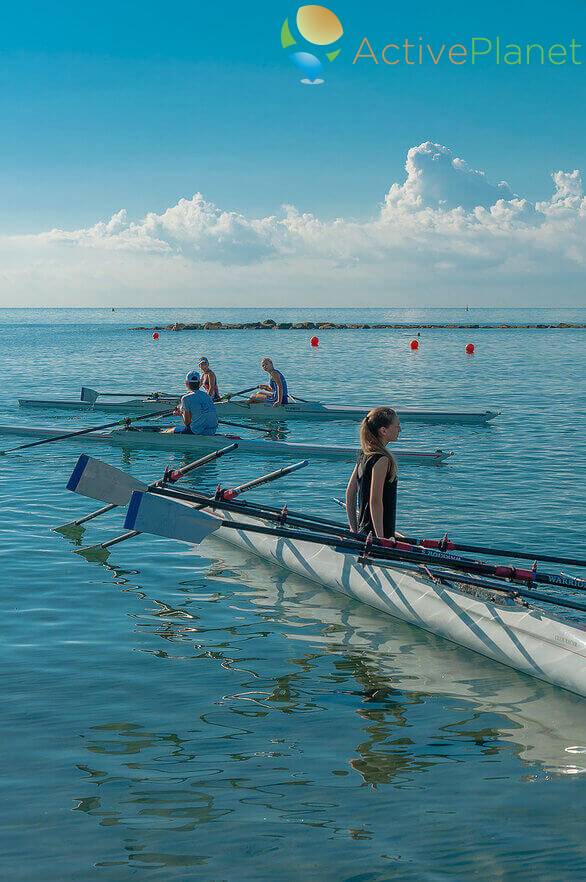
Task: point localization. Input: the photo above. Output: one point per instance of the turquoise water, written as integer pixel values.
(179, 715)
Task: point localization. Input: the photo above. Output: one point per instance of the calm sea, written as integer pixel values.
(177, 715)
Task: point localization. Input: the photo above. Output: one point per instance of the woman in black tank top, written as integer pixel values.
(371, 495)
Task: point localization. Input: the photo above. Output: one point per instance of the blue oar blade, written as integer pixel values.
(148, 513)
(98, 480)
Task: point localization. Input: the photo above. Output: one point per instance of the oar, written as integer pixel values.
(368, 552)
(99, 483)
(122, 422)
(312, 522)
(91, 395)
(446, 544)
(515, 590)
(243, 426)
(97, 480)
(259, 510)
(160, 487)
(233, 492)
(230, 395)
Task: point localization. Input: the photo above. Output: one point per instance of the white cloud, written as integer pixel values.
(445, 232)
(437, 179)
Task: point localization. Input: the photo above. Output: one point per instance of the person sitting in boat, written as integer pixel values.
(373, 483)
(197, 409)
(274, 392)
(209, 381)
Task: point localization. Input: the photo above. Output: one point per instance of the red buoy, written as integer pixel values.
(156, 335)
(414, 345)
(314, 341)
(470, 348)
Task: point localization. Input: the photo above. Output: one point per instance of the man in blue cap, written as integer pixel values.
(197, 410)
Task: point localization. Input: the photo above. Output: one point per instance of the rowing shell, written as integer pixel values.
(152, 436)
(526, 639)
(296, 410)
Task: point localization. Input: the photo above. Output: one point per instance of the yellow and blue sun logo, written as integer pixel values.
(318, 26)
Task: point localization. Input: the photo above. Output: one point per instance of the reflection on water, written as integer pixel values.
(391, 709)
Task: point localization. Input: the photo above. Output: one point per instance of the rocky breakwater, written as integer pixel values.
(271, 325)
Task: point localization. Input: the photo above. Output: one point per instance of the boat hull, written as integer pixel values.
(268, 413)
(208, 443)
(543, 721)
(528, 640)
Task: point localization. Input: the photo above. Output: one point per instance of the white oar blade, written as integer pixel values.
(88, 395)
(98, 480)
(148, 513)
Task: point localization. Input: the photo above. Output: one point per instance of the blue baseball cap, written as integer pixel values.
(192, 377)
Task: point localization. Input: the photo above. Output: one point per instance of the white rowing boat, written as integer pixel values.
(549, 647)
(485, 607)
(152, 436)
(295, 410)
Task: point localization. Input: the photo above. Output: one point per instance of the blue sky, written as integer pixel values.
(109, 106)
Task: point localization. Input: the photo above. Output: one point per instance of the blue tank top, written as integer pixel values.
(273, 386)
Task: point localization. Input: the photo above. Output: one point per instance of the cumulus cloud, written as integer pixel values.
(446, 227)
(437, 179)
(193, 227)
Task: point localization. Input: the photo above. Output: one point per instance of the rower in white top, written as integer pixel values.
(196, 409)
(274, 392)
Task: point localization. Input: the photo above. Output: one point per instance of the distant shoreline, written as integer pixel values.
(271, 325)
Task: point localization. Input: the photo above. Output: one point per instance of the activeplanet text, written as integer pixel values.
(476, 50)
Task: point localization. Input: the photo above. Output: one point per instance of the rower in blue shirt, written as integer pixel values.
(275, 392)
(197, 410)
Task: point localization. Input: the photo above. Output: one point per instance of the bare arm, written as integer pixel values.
(351, 495)
(379, 474)
(185, 414)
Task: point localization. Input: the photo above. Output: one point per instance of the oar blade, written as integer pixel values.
(89, 396)
(148, 513)
(98, 480)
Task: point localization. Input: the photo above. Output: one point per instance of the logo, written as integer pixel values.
(317, 26)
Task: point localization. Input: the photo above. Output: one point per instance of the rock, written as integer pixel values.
(269, 324)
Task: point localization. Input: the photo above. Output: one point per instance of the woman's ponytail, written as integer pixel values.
(376, 419)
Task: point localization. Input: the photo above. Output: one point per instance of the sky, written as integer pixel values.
(169, 155)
